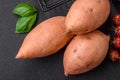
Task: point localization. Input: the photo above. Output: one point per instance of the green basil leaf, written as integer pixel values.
(25, 24)
(32, 21)
(24, 9)
(21, 24)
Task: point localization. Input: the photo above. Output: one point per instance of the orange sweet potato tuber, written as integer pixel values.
(45, 39)
(85, 52)
(87, 15)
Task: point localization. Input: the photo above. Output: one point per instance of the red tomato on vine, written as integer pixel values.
(117, 30)
(116, 19)
(116, 42)
(114, 55)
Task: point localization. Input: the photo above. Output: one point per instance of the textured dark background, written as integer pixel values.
(49, 68)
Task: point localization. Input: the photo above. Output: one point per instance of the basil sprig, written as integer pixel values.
(24, 24)
(28, 16)
(24, 9)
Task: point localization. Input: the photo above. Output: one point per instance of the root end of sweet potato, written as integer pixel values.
(66, 74)
(19, 56)
(68, 31)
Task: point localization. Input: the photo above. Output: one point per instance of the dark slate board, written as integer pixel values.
(51, 67)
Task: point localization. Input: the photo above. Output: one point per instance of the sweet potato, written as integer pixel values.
(87, 15)
(45, 39)
(85, 52)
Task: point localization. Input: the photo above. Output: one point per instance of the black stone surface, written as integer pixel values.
(51, 67)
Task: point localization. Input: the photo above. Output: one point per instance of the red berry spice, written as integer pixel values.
(116, 42)
(116, 19)
(114, 55)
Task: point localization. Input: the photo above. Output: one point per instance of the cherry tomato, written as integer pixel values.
(116, 19)
(117, 30)
(116, 42)
(114, 55)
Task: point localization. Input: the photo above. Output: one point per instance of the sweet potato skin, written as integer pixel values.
(85, 52)
(87, 15)
(45, 39)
